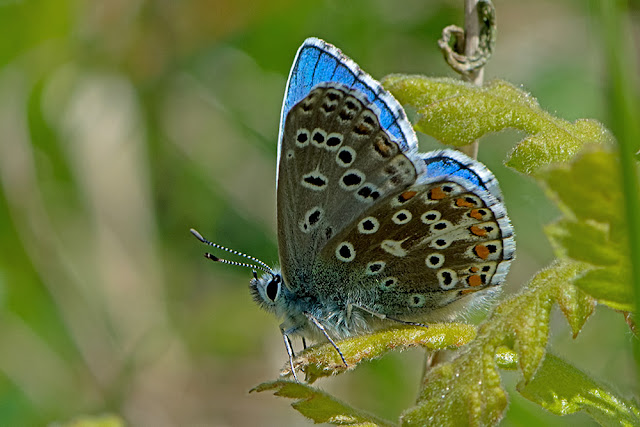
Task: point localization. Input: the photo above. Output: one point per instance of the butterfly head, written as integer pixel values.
(268, 290)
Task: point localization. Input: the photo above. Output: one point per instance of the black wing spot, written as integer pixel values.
(351, 179)
(318, 137)
(315, 181)
(345, 156)
(314, 217)
(328, 232)
(333, 141)
(345, 252)
(447, 278)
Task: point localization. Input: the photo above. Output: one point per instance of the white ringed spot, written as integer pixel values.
(314, 181)
(311, 219)
(416, 300)
(447, 278)
(333, 141)
(302, 138)
(346, 156)
(429, 217)
(440, 226)
(290, 154)
(318, 137)
(375, 267)
(345, 252)
(352, 179)
(441, 242)
(388, 283)
(401, 217)
(367, 193)
(368, 225)
(434, 260)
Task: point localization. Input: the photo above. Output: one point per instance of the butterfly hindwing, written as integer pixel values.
(425, 247)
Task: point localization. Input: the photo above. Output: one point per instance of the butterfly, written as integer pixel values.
(370, 230)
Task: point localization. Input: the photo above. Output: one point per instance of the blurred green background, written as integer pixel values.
(125, 123)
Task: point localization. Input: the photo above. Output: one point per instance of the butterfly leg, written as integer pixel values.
(384, 316)
(292, 355)
(320, 326)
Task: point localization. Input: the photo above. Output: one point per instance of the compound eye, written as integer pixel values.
(273, 288)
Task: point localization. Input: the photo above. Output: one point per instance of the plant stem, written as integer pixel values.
(471, 41)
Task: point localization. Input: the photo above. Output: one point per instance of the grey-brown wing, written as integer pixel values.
(335, 163)
(424, 247)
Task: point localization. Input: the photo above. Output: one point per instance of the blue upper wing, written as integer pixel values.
(317, 62)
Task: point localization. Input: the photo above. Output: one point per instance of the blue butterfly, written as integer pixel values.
(369, 229)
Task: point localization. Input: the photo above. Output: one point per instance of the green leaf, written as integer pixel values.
(589, 186)
(319, 406)
(583, 241)
(593, 230)
(610, 286)
(323, 360)
(467, 390)
(458, 113)
(576, 305)
(563, 389)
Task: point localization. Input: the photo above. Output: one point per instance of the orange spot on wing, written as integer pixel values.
(462, 203)
(362, 129)
(474, 269)
(478, 231)
(382, 148)
(475, 213)
(474, 280)
(407, 195)
(437, 193)
(482, 251)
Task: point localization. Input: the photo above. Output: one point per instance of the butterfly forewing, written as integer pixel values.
(335, 163)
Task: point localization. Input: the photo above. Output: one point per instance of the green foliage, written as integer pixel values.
(323, 360)
(458, 113)
(126, 123)
(320, 406)
(468, 388)
(593, 231)
(590, 242)
(562, 389)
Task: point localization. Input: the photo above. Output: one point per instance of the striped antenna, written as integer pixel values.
(261, 265)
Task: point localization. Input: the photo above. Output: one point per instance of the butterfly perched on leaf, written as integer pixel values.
(370, 230)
